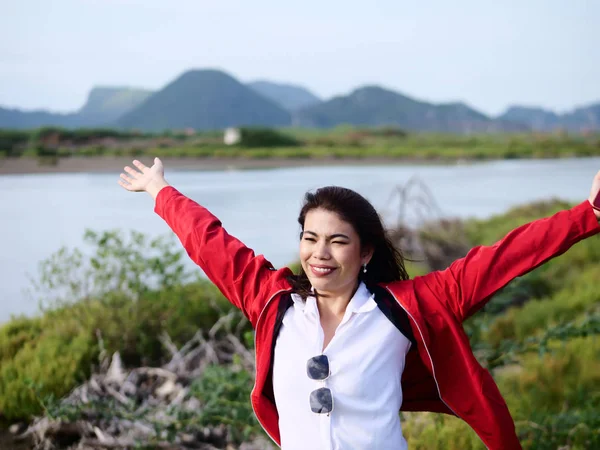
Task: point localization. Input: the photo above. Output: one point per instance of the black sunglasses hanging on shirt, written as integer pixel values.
(321, 400)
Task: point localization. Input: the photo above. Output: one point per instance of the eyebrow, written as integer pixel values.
(333, 236)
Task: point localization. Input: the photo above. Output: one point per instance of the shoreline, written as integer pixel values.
(28, 166)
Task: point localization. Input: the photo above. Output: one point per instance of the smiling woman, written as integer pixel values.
(351, 340)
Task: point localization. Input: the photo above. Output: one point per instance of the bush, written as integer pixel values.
(52, 366)
(225, 392)
(125, 294)
(562, 306)
(427, 431)
(264, 137)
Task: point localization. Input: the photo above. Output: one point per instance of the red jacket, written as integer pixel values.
(443, 374)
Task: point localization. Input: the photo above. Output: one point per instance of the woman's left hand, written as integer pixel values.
(595, 195)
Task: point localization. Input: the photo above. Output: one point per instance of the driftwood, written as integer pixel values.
(119, 408)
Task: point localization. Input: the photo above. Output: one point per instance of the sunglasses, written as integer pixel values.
(321, 400)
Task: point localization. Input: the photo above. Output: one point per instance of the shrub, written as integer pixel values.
(264, 137)
(127, 293)
(427, 431)
(225, 392)
(52, 366)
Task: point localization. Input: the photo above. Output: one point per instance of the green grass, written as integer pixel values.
(340, 142)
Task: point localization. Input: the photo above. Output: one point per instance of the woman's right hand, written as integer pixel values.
(148, 179)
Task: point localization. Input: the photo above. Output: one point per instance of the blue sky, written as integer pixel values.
(489, 54)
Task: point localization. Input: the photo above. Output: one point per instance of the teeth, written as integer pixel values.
(322, 269)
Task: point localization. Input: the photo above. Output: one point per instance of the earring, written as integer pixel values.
(365, 268)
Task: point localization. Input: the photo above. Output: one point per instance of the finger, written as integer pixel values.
(124, 185)
(139, 165)
(126, 178)
(132, 172)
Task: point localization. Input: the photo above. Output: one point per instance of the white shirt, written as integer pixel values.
(366, 359)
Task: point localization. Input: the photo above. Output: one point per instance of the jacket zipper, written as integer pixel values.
(426, 349)
(256, 360)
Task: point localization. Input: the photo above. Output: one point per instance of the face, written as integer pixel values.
(330, 253)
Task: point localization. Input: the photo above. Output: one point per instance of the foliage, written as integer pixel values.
(225, 392)
(131, 266)
(12, 142)
(126, 293)
(52, 365)
(540, 337)
(338, 143)
(427, 431)
(265, 137)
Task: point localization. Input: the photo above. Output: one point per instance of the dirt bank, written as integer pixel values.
(115, 165)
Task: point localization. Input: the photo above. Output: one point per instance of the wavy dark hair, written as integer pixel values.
(387, 263)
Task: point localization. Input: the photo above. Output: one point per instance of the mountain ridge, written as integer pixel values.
(204, 99)
(220, 100)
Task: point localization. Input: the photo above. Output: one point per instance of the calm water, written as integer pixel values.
(41, 213)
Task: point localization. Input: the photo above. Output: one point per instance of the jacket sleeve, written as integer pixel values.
(246, 280)
(470, 282)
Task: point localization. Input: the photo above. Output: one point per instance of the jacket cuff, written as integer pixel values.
(585, 216)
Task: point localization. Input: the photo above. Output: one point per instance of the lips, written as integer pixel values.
(321, 271)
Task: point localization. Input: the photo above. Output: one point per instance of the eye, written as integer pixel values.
(339, 242)
(310, 239)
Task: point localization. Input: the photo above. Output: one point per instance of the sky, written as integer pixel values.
(488, 54)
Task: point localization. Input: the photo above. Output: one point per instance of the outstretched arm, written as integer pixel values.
(246, 280)
(470, 282)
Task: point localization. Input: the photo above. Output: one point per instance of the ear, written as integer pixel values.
(366, 255)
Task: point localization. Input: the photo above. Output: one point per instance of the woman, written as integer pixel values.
(351, 340)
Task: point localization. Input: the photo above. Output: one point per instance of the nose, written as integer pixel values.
(321, 250)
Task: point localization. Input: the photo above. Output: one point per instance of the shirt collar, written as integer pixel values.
(361, 302)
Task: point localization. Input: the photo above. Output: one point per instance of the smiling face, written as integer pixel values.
(331, 254)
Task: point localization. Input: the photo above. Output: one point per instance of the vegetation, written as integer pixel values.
(109, 297)
(337, 143)
(538, 337)
(265, 137)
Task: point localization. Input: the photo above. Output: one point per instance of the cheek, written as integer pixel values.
(349, 258)
(303, 252)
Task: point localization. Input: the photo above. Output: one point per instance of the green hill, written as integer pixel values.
(376, 106)
(288, 96)
(106, 104)
(581, 119)
(17, 119)
(205, 100)
(103, 106)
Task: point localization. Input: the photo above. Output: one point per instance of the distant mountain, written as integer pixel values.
(104, 105)
(376, 106)
(581, 119)
(212, 99)
(205, 100)
(17, 119)
(288, 96)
